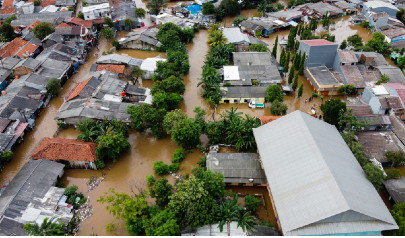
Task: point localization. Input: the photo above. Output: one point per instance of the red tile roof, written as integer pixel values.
(119, 69)
(399, 87)
(267, 119)
(27, 50)
(8, 3)
(8, 10)
(47, 3)
(80, 22)
(65, 149)
(32, 26)
(12, 47)
(318, 42)
(63, 25)
(76, 91)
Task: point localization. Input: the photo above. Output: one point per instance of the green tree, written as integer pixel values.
(286, 62)
(107, 33)
(291, 74)
(42, 30)
(178, 155)
(302, 64)
(111, 145)
(213, 182)
(282, 57)
(10, 19)
(398, 213)
(160, 168)
(347, 89)
(7, 32)
(300, 90)
(192, 204)
(230, 7)
(347, 121)
(5, 157)
(384, 79)
(137, 73)
(129, 23)
(331, 110)
(36, 2)
(216, 38)
(295, 83)
(109, 22)
(53, 87)
(146, 117)
(378, 44)
(343, 45)
(172, 84)
(187, 133)
(326, 21)
(245, 220)
(117, 45)
(80, 15)
(171, 118)
(49, 227)
(239, 20)
(155, 6)
(274, 92)
(280, 6)
(227, 212)
(133, 210)
(278, 108)
(208, 8)
(355, 40)
(258, 48)
(274, 51)
(252, 203)
(365, 24)
(164, 223)
(167, 101)
(374, 174)
(140, 12)
(297, 61)
(161, 190)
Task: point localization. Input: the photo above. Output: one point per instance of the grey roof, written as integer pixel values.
(50, 17)
(5, 140)
(30, 63)
(237, 167)
(54, 37)
(316, 183)
(53, 68)
(60, 52)
(32, 80)
(375, 119)
(94, 108)
(110, 86)
(378, 59)
(4, 73)
(27, 197)
(395, 73)
(10, 62)
(345, 6)
(260, 23)
(353, 75)
(114, 59)
(323, 8)
(252, 58)
(65, 3)
(235, 36)
(286, 15)
(322, 75)
(235, 230)
(147, 35)
(396, 189)
(124, 10)
(244, 92)
(398, 127)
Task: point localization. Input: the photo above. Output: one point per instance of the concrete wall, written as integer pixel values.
(137, 45)
(241, 100)
(319, 55)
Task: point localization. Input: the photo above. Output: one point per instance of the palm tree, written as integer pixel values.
(216, 38)
(227, 212)
(245, 220)
(49, 227)
(137, 72)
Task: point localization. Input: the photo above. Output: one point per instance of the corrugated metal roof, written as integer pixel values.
(313, 176)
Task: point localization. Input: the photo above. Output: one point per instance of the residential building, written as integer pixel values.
(379, 6)
(237, 168)
(55, 69)
(65, 3)
(182, 22)
(149, 65)
(319, 169)
(393, 34)
(118, 69)
(234, 230)
(97, 11)
(26, 66)
(375, 122)
(143, 38)
(382, 102)
(376, 143)
(119, 59)
(346, 64)
(345, 7)
(320, 9)
(241, 41)
(52, 39)
(32, 196)
(64, 53)
(263, 25)
(76, 153)
(394, 73)
(376, 19)
(287, 15)
(125, 10)
(395, 189)
(243, 94)
(322, 80)
(73, 32)
(54, 18)
(318, 52)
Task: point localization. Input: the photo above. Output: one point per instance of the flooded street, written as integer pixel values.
(128, 174)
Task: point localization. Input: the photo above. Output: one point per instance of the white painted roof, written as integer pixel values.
(380, 90)
(96, 7)
(317, 185)
(231, 73)
(234, 35)
(377, 4)
(149, 64)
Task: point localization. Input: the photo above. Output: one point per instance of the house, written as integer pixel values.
(382, 102)
(77, 154)
(119, 59)
(11, 48)
(260, 66)
(97, 11)
(32, 196)
(322, 80)
(7, 12)
(395, 189)
(55, 69)
(346, 64)
(376, 143)
(4, 75)
(32, 80)
(394, 73)
(26, 66)
(234, 230)
(149, 65)
(243, 94)
(46, 3)
(124, 10)
(307, 165)
(237, 168)
(54, 18)
(379, 6)
(322, 8)
(144, 38)
(357, 19)
(84, 89)
(118, 69)
(377, 19)
(375, 122)
(394, 34)
(63, 53)
(371, 59)
(52, 39)
(25, 7)
(318, 52)
(9, 3)
(181, 22)
(263, 25)
(240, 40)
(73, 111)
(345, 7)
(9, 63)
(287, 15)
(65, 3)
(74, 33)
(12, 131)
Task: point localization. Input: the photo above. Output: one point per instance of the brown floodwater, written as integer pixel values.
(128, 174)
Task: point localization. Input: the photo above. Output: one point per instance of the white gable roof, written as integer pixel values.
(234, 35)
(231, 73)
(317, 185)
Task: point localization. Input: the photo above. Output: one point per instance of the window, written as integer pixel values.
(235, 100)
